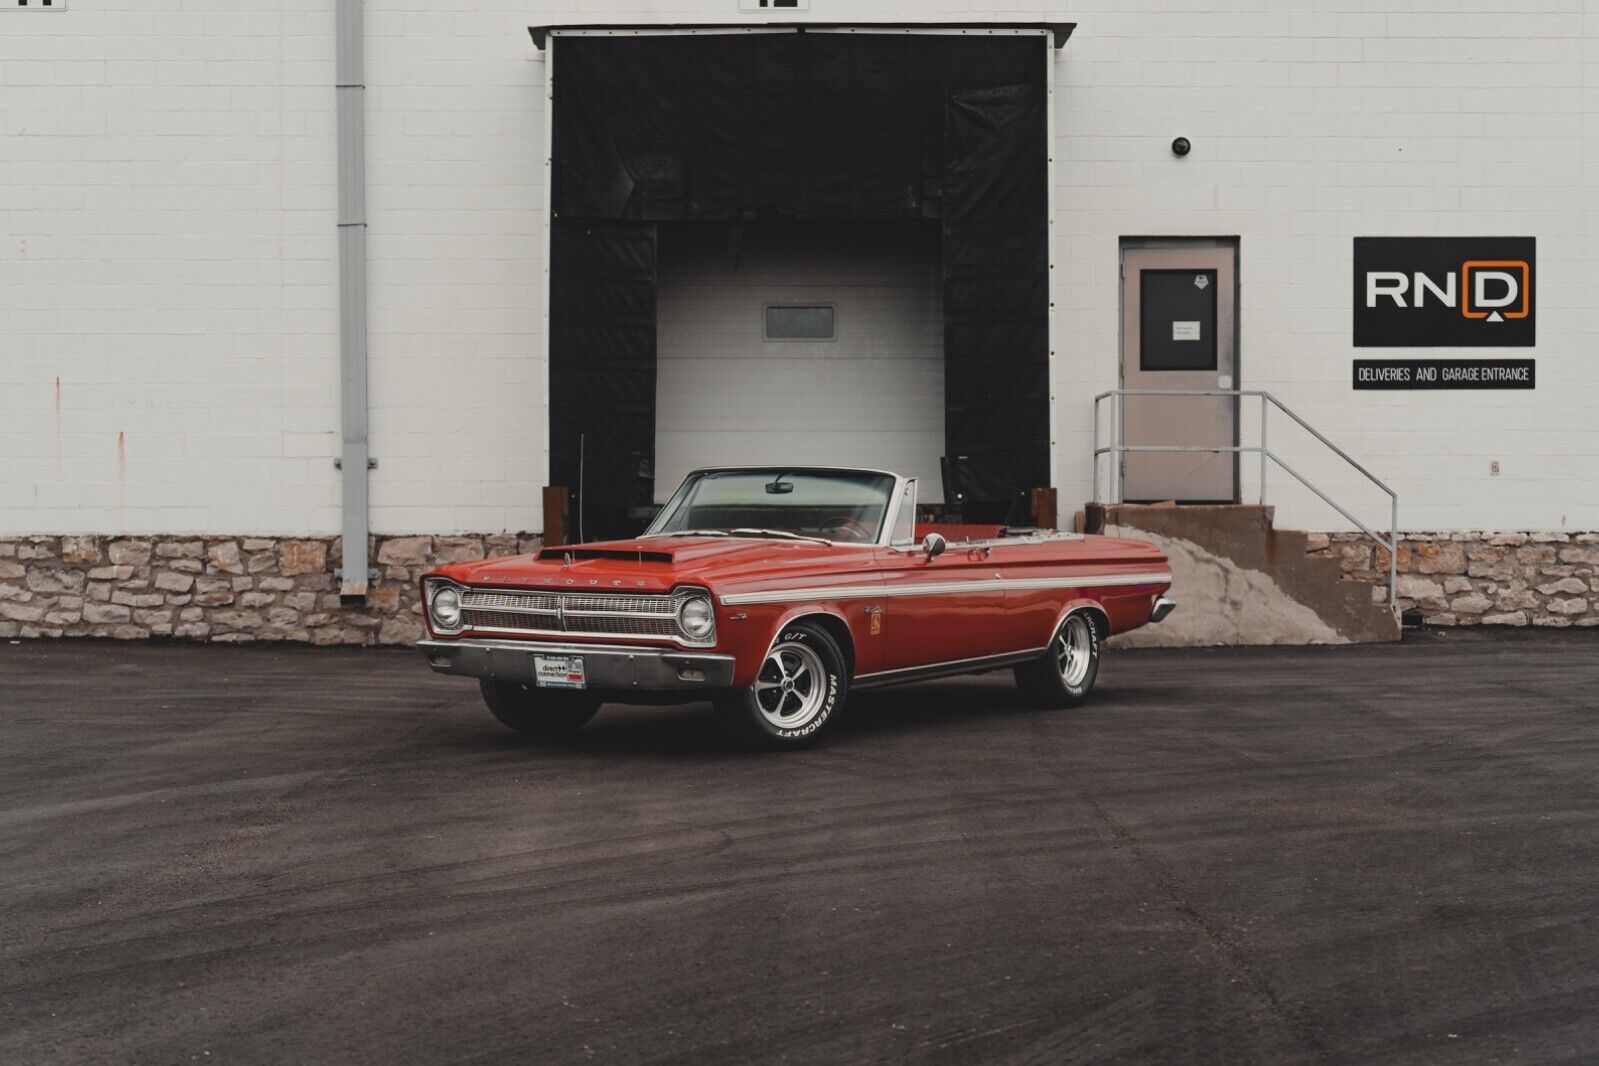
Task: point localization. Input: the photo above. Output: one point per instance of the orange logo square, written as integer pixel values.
(1499, 264)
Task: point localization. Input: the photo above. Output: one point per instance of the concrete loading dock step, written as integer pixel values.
(1240, 580)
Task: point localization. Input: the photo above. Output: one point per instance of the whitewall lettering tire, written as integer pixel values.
(796, 694)
(1064, 675)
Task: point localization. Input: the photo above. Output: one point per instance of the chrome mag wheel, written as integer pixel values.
(791, 687)
(1074, 650)
(1065, 673)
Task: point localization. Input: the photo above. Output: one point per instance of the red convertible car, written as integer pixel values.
(775, 591)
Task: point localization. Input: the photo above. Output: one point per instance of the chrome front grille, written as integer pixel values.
(503, 620)
(586, 601)
(577, 613)
(520, 601)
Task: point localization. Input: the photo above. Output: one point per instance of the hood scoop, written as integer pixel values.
(578, 555)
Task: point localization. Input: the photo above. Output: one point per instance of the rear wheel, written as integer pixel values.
(537, 712)
(1064, 675)
(796, 694)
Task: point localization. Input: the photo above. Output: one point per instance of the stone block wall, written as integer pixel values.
(1494, 579)
(226, 589)
(239, 589)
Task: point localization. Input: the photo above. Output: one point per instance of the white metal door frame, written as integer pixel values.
(1053, 36)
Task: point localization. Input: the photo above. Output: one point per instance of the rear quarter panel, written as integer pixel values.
(1119, 577)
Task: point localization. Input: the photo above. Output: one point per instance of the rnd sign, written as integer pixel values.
(1438, 292)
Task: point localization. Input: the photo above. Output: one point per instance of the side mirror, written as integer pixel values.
(934, 544)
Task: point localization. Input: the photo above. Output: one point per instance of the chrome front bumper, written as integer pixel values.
(1161, 609)
(610, 667)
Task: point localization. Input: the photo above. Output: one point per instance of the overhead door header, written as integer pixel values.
(1060, 31)
(809, 125)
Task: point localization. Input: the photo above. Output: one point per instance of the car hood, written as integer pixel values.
(656, 564)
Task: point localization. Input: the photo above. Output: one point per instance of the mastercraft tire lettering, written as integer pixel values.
(796, 693)
(1064, 675)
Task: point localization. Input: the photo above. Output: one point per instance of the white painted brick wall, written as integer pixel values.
(170, 257)
(1310, 128)
(167, 245)
(873, 396)
(167, 287)
(456, 244)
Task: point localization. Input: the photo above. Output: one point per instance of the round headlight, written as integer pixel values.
(695, 618)
(446, 608)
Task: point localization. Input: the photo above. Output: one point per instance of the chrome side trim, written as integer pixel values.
(945, 588)
(946, 669)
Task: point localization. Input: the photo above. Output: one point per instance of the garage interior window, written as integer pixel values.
(814, 322)
(867, 392)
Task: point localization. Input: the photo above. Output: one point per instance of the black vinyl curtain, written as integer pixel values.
(798, 125)
(996, 295)
(602, 359)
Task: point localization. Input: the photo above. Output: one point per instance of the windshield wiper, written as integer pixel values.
(781, 533)
(745, 531)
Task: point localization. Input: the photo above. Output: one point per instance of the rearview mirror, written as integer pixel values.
(934, 544)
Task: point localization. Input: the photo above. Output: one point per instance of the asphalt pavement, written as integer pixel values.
(228, 854)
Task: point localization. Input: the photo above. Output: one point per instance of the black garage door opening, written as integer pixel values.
(653, 131)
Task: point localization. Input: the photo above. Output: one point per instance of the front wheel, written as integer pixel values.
(796, 694)
(1064, 675)
(536, 712)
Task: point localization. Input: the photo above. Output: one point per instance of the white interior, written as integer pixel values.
(873, 396)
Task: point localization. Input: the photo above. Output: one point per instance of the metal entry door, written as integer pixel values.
(1178, 333)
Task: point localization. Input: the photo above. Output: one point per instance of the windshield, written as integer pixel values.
(839, 505)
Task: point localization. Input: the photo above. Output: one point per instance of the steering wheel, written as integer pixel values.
(843, 523)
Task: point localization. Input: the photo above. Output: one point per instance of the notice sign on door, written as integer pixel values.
(1445, 292)
(1445, 374)
(1185, 331)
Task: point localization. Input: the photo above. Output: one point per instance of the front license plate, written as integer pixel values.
(559, 671)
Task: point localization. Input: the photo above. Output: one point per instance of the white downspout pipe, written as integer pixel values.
(354, 460)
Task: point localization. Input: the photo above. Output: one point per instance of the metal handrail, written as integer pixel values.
(1267, 401)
